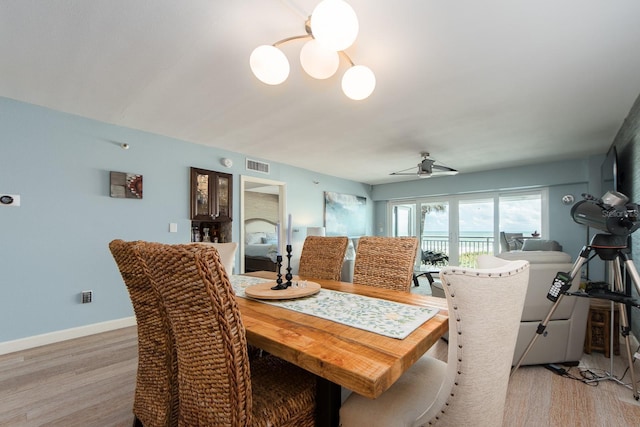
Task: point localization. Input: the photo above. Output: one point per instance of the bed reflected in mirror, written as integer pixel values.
(262, 206)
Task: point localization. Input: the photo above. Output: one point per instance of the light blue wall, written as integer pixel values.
(55, 244)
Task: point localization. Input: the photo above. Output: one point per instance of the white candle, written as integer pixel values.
(289, 231)
(278, 239)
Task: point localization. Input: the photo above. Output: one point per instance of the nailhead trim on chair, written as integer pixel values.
(456, 381)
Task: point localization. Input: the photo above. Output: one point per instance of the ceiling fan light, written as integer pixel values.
(358, 82)
(334, 24)
(318, 61)
(269, 64)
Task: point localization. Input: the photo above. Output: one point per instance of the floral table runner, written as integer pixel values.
(388, 318)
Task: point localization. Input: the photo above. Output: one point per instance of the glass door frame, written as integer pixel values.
(390, 215)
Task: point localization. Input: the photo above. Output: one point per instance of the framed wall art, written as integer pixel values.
(125, 185)
(345, 214)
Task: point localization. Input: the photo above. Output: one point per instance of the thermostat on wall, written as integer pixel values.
(9, 200)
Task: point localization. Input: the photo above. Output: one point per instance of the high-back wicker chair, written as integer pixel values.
(322, 257)
(217, 385)
(470, 389)
(156, 396)
(386, 262)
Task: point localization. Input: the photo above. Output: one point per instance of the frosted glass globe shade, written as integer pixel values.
(334, 24)
(318, 61)
(358, 82)
(269, 64)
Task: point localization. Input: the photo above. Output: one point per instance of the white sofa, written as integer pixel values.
(563, 340)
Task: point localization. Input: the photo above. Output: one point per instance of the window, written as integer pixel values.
(521, 214)
(476, 229)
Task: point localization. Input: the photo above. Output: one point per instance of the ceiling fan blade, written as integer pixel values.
(445, 173)
(403, 173)
(406, 171)
(445, 169)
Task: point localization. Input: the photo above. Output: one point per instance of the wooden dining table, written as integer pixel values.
(339, 355)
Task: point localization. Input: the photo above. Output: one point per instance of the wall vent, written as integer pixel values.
(255, 165)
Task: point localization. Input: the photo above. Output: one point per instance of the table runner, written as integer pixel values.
(388, 318)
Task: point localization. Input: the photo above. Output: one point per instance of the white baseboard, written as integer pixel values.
(66, 334)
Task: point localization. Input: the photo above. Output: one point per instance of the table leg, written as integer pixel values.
(328, 400)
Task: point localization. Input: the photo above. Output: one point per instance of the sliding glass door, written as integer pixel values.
(403, 219)
(435, 234)
(476, 229)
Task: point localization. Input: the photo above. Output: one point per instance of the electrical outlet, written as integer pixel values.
(86, 297)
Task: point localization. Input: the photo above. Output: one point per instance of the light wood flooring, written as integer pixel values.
(90, 382)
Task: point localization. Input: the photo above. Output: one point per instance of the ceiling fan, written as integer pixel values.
(428, 168)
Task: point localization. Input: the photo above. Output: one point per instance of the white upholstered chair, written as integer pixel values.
(485, 306)
(227, 252)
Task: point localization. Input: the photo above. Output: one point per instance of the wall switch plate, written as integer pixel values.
(86, 297)
(10, 200)
(173, 227)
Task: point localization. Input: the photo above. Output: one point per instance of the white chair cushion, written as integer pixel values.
(403, 403)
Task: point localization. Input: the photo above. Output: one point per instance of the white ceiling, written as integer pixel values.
(479, 84)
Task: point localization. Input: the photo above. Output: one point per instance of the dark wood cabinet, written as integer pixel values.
(211, 195)
(211, 203)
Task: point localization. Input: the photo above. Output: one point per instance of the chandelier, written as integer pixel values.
(331, 28)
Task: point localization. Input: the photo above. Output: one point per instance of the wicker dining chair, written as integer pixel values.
(156, 394)
(386, 262)
(217, 384)
(470, 389)
(322, 257)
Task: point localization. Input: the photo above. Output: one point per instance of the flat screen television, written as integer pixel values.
(609, 172)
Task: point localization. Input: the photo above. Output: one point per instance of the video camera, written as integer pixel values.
(612, 213)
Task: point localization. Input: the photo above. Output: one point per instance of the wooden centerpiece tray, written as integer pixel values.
(264, 291)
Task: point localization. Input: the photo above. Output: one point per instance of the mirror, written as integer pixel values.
(262, 205)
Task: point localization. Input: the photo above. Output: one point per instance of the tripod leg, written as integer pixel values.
(624, 325)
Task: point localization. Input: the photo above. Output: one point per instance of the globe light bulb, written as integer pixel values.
(334, 24)
(358, 82)
(318, 61)
(269, 64)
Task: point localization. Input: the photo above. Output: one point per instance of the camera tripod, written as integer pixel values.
(611, 249)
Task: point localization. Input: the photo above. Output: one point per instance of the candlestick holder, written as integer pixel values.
(288, 276)
(279, 285)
